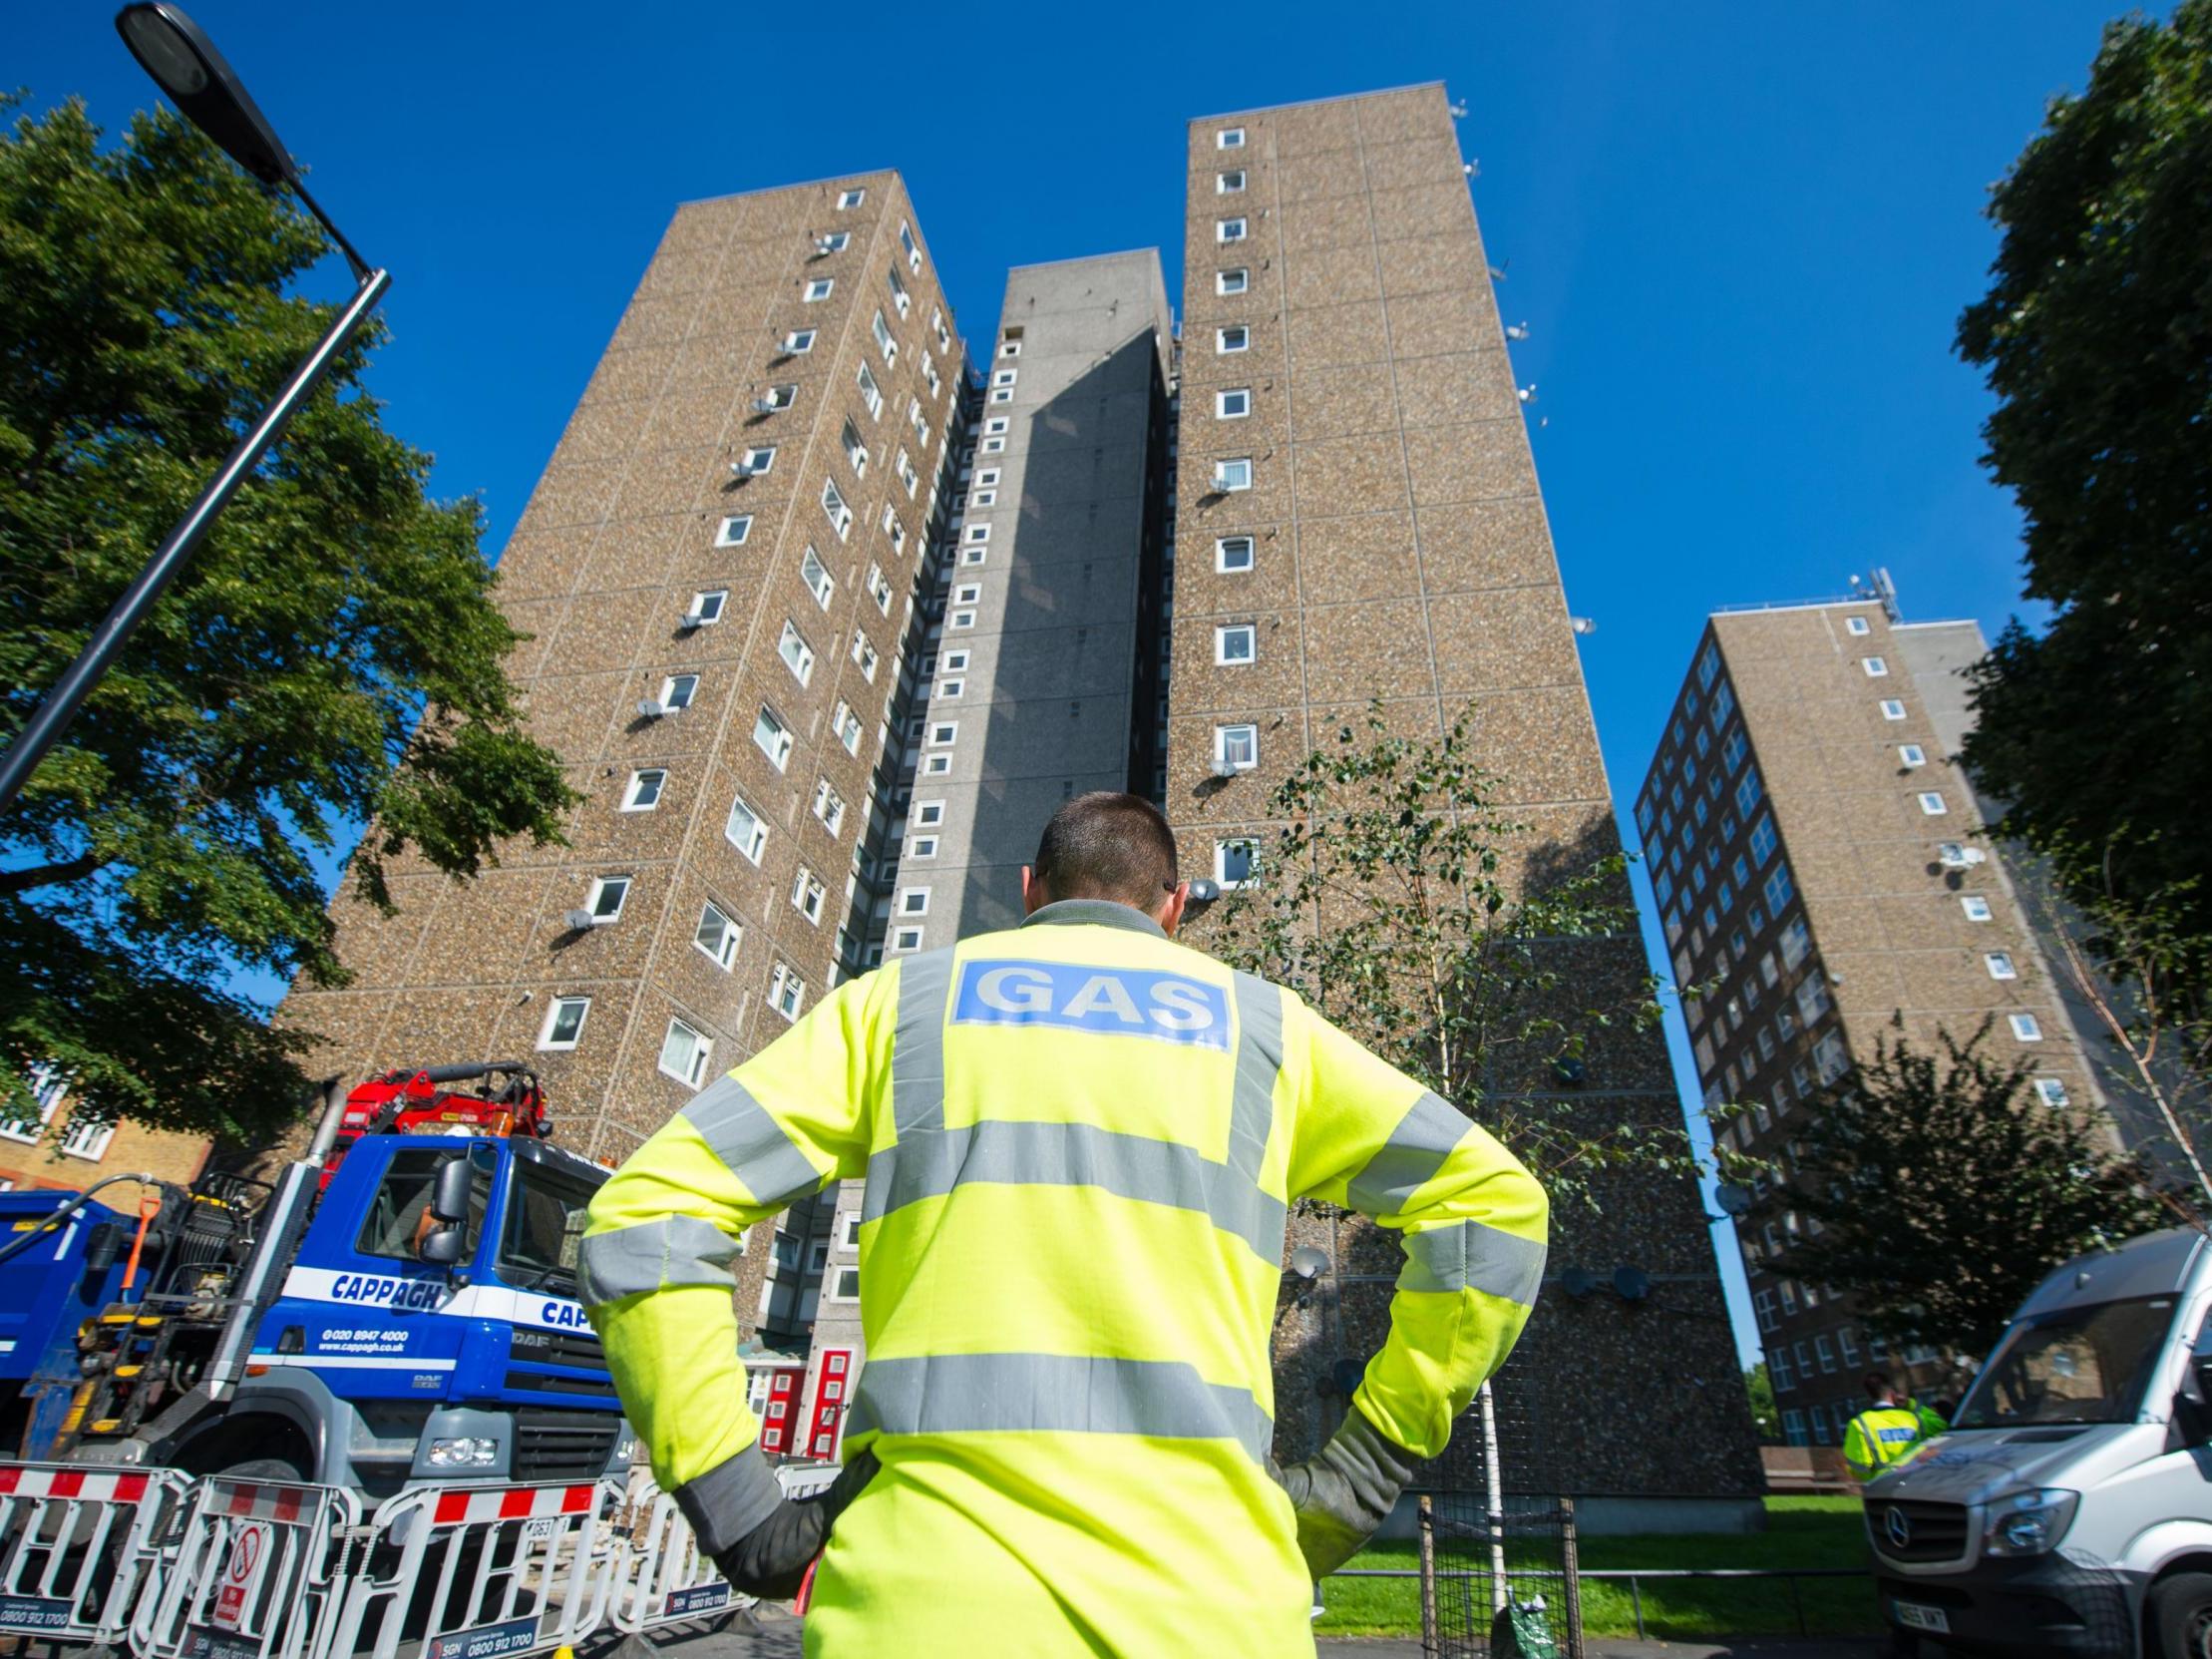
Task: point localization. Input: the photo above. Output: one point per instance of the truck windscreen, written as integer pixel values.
(545, 1227)
(2073, 1365)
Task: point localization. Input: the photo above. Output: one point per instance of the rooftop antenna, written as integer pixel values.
(1472, 169)
(1527, 394)
(1459, 110)
(1516, 330)
(1497, 272)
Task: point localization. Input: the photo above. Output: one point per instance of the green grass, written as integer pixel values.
(1805, 1531)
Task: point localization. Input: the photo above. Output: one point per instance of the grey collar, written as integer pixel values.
(1098, 913)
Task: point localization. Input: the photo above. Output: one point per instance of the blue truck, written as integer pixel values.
(397, 1308)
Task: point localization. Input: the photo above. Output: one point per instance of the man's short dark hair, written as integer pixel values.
(1879, 1382)
(1106, 845)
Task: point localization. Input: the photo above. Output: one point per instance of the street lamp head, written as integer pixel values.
(193, 75)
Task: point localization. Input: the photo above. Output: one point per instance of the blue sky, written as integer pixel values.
(1740, 235)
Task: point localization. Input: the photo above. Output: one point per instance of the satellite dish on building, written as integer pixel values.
(582, 921)
(1308, 1263)
(1631, 1284)
(1733, 1199)
(650, 708)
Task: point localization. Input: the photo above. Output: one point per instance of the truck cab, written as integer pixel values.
(399, 1349)
(2070, 1508)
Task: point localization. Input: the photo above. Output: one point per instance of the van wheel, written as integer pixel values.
(2181, 1617)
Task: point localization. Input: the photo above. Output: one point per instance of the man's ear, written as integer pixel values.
(1032, 891)
(1170, 915)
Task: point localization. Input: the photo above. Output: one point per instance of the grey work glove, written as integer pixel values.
(763, 1541)
(1345, 1492)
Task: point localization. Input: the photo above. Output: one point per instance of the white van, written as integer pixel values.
(2070, 1509)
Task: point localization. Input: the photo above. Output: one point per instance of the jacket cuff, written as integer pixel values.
(729, 1500)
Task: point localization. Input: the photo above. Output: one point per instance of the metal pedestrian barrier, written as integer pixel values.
(254, 1570)
(79, 1547)
(662, 1577)
(480, 1572)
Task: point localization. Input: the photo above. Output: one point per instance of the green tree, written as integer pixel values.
(2097, 335)
(331, 657)
(1384, 901)
(1758, 1387)
(1937, 1189)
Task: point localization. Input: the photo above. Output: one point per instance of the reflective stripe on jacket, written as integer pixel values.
(1878, 1438)
(1079, 1141)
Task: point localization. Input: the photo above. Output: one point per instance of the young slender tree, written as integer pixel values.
(330, 657)
(1936, 1190)
(1403, 904)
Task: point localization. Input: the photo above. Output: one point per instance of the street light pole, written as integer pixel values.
(201, 83)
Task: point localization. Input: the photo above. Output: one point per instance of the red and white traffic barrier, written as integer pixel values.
(79, 1547)
(256, 1570)
(478, 1572)
(660, 1576)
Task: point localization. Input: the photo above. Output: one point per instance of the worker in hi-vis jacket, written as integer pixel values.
(1079, 1140)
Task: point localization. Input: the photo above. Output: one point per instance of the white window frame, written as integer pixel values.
(1999, 965)
(929, 814)
(949, 690)
(727, 940)
(1221, 554)
(1857, 626)
(1005, 377)
(941, 734)
(1892, 709)
(1232, 403)
(879, 588)
(779, 740)
(1241, 733)
(1221, 851)
(906, 905)
(630, 801)
(1222, 635)
(937, 765)
(1243, 334)
(785, 986)
(818, 289)
(832, 241)
(852, 198)
(86, 1137)
(2053, 1092)
(1933, 805)
(821, 583)
(834, 504)
(735, 528)
(846, 726)
(1911, 755)
(1228, 479)
(795, 654)
(759, 836)
(1229, 138)
(1976, 908)
(1229, 181)
(954, 661)
(716, 599)
(968, 593)
(920, 846)
(2025, 1028)
(679, 692)
(799, 342)
(871, 393)
(866, 656)
(1235, 280)
(906, 939)
(601, 886)
(759, 461)
(701, 1052)
(1876, 667)
(808, 894)
(1229, 231)
(546, 1038)
(827, 806)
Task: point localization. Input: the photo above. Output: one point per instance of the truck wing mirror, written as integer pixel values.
(449, 1196)
(442, 1248)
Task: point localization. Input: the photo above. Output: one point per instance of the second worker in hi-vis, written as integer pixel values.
(1079, 1140)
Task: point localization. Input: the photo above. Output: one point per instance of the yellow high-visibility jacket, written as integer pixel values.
(1880, 1436)
(1079, 1140)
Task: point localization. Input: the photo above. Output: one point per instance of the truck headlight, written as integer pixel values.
(2028, 1522)
(463, 1452)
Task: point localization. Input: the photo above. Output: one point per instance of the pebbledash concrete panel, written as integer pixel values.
(911, 601)
(1399, 552)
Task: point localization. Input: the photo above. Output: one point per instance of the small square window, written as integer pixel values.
(773, 738)
(706, 608)
(798, 341)
(956, 662)
(608, 895)
(977, 533)
(997, 424)
(1236, 337)
(943, 732)
(1010, 348)
(1892, 709)
(913, 900)
(1236, 280)
(1002, 394)
(787, 992)
(937, 765)
(746, 829)
(563, 1022)
(807, 895)
(1230, 476)
(820, 288)
(906, 939)
(676, 692)
(1999, 965)
(643, 793)
(1236, 861)
(1233, 552)
(851, 199)
(798, 655)
(2027, 1027)
(1234, 404)
(988, 476)
(983, 498)
(1236, 748)
(921, 846)
(1931, 803)
(1005, 377)
(994, 446)
(777, 397)
(717, 937)
(1228, 230)
(2052, 1092)
(1875, 666)
(1975, 907)
(1857, 626)
(1230, 138)
(968, 593)
(817, 577)
(949, 690)
(1229, 183)
(684, 1052)
(1234, 643)
(1911, 755)
(960, 620)
(735, 528)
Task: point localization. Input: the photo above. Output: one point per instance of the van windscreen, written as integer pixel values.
(2073, 1365)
